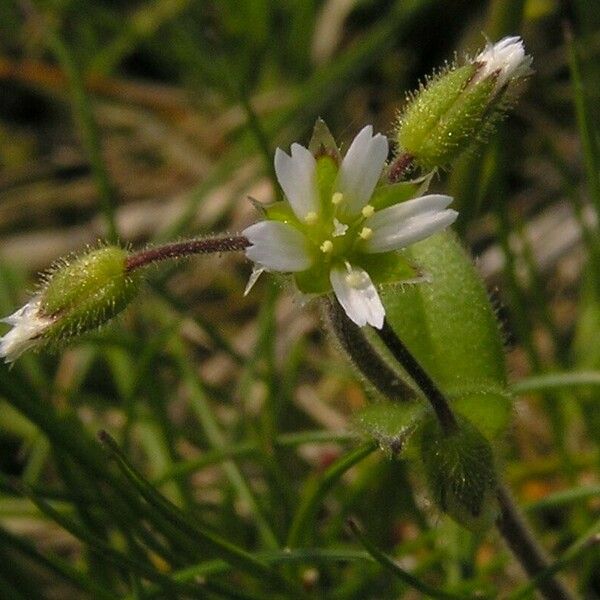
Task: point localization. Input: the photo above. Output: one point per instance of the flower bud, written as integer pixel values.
(78, 295)
(460, 472)
(461, 105)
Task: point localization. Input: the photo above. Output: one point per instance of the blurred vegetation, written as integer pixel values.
(236, 463)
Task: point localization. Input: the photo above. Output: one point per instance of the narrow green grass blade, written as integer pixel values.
(303, 521)
(389, 565)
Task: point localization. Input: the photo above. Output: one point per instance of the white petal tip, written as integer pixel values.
(506, 58)
(27, 329)
(358, 296)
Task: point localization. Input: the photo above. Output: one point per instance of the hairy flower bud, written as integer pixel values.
(78, 295)
(461, 105)
(460, 471)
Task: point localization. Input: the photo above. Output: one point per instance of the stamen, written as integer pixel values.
(368, 211)
(339, 229)
(366, 233)
(311, 218)
(326, 247)
(337, 198)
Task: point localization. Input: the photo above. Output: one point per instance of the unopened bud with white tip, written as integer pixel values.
(460, 107)
(505, 59)
(78, 295)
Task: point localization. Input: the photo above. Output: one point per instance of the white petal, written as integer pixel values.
(403, 233)
(404, 210)
(361, 169)
(357, 295)
(297, 176)
(277, 246)
(507, 58)
(28, 326)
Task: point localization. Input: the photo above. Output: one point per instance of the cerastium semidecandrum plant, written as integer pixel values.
(368, 243)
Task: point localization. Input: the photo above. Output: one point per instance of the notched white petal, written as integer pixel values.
(27, 328)
(396, 214)
(395, 236)
(297, 176)
(276, 246)
(358, 296)
(361, 168)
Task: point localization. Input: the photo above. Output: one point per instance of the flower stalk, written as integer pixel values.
(510, 522)
(411, 365)
(175, 250)
(520, 539)
(360, 351)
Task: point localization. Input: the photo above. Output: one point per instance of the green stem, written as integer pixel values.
(511, 524)
(88, 127)
(217, 441)
(304, 517)
(550, 381)
(389, 565)
(245, 449)
(229, 552)
(584, 121)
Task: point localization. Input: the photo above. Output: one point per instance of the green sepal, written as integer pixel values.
(460, 472)
(315, 280)
(322, 142)
(326, 175)
(389, 268)
(83, 293)
(390, 194)
(281, 211)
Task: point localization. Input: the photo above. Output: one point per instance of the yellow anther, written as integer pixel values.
(337, 198)
(326, 246)
(311, 218)
(368, 211)
(366, 233)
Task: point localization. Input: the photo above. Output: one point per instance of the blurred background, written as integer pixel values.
(148, 121)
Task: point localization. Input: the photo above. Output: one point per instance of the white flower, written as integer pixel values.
(312, 235)
(27, 328)
(506, 58)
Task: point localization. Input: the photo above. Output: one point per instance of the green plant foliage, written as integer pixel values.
(460, 472)
(450, 326)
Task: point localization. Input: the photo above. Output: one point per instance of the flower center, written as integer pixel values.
(334, 234)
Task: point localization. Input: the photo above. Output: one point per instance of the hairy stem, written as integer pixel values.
(520, 539)
(436, 398)
(511, 523)
(364, 356)
(186, 248)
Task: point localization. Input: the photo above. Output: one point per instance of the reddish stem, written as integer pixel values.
(186, 248)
